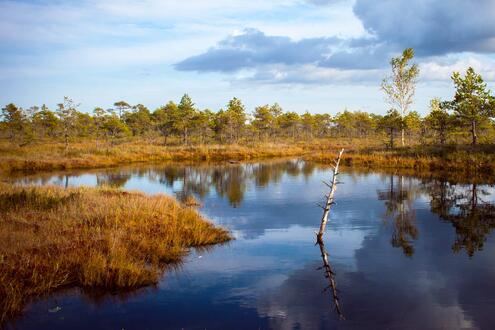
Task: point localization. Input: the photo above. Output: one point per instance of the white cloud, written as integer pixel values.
(441, 69)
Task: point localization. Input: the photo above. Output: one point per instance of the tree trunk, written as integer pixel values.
(442, 136)
(402, 137)
(473, 132)
(66, 136)
(391, 138)
(185, 137)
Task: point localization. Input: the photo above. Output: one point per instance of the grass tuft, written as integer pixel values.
(92, 238)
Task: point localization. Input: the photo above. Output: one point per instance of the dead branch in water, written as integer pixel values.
(330, 198)
(329, 274)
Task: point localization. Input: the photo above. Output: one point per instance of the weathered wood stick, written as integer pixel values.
(330, 199)
(329, 274)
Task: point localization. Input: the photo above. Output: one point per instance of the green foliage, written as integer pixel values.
(46, 122)
(236, 119)
(84, 125)
(354, 124)
(182, 119)
(472, 104)
(203, 123)
(265, 120)
(413, 123)
(122, 107)
(114, 127)
(139, 120)
(439, 120)
(290, 124)
(15, 121)
(391, 123)
(164, 118)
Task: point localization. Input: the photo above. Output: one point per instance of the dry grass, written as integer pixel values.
(92, 238)
(51, 156)
(459, 159)
(359, 152)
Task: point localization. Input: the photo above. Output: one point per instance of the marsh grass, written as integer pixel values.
(359, 152)
(51, 156)
(473, 161)
(53, 238)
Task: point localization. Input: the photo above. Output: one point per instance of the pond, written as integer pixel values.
(400, 252)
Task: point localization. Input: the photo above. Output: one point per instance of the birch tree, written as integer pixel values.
(399, 87)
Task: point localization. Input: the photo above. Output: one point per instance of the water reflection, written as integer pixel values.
(330, 276)
(468, 208)
(228, 180)
(115, 180)
(399, 198)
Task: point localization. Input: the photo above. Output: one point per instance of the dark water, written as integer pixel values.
(402, 253)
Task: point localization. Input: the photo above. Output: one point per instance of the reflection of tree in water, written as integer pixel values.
(194, 180)
(229, 181)
(398, 201)
(307, 169)
(265, 173)
(113, 179)
(466, 207)
(293, 168)
(330, 276)
(169, 174)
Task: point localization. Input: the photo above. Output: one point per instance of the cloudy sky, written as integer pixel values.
(316, 55)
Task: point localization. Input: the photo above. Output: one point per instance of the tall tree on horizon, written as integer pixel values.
(399, 88)
(439, 119)
(185, 112)
(122, 107)
(390, 123)
(14, 119)
(236, 116)
(67, 113)
(472, 104)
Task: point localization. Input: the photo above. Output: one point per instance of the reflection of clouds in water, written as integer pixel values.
(279, 249)
(399, 295)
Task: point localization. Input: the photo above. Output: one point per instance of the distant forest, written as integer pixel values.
(467, 118)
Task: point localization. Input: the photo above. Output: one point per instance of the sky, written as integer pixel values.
(317, 55)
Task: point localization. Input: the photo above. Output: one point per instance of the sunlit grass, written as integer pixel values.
(366, 152)
(51, 156)
(466, 159)
(52, 237)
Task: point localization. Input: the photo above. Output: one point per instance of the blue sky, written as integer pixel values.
(316, 55)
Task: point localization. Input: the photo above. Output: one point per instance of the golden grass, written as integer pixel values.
(91, 238)
(479, 160)
(359, 152)
(51, 156)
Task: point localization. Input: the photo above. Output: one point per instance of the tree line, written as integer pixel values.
(470, 112)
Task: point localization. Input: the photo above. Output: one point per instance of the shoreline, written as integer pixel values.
(53, 238)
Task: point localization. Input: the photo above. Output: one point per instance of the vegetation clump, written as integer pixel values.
(91, 238)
